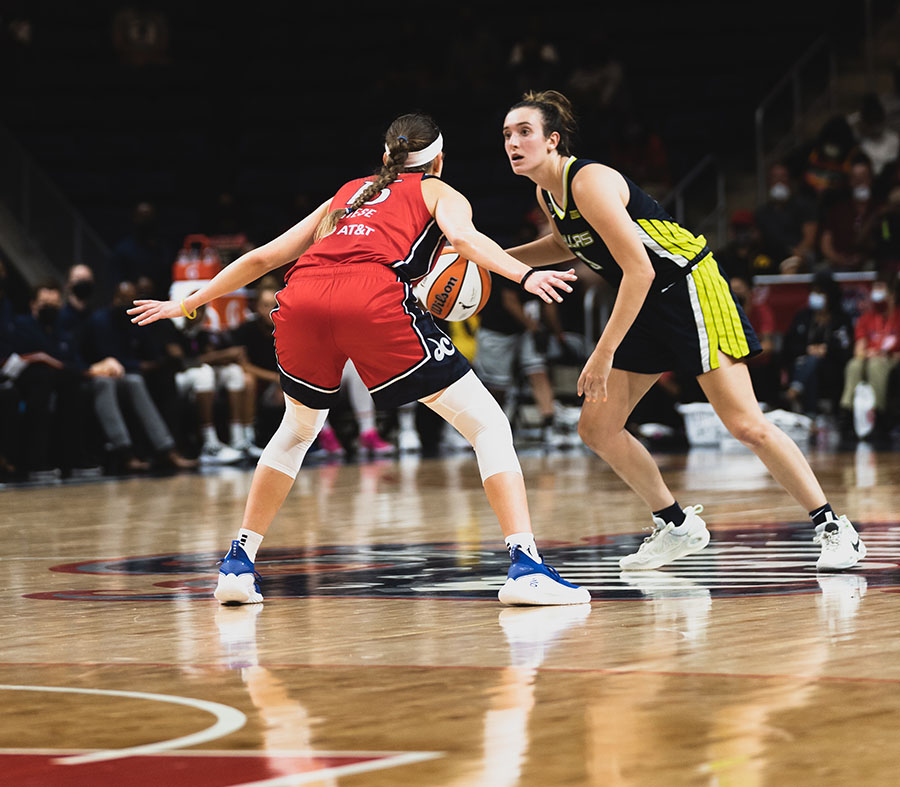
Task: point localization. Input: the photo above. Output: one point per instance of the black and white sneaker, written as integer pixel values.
(841, 545)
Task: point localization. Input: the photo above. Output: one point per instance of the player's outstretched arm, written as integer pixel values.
(453, 214)
(245, 269)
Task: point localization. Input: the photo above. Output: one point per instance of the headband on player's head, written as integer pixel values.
(419, 157)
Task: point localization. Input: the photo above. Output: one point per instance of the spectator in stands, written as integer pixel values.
(639, 153)
(881, 234)
(598, 85)
(55, 404)
(254, 335)
(112, 337)
(816, 348)
(765, 370)
(876, 351)
(743, 254)
(786, 222)
(144, 251)
(875, 138)
(842, 241)
(827, 164)
(10, 367)
(534, 59)
(512, 339)
(140, 35)
(213, 363)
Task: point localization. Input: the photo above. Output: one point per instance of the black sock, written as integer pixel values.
(821, 515)
(672, 514)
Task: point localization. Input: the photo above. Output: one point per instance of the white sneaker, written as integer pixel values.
(667, 543)
(248, 449)
(841, 545)
(408, 441)
(219, 454)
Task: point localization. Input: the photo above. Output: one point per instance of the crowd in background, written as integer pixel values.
(84, 392)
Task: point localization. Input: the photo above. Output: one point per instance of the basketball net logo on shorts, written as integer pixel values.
(443, 348)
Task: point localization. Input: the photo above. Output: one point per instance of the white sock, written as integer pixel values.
(366, 421)
(249, 433)
(237, 432)
(406, 418)
(525, 542)
(210, 436)
(250, 541)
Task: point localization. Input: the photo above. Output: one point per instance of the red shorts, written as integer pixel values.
(365, 312)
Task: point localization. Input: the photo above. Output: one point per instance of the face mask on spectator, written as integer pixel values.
(816, 301)
(878, 296)
(779, 192)
(861, 193)
(47, 315)
(83, 289)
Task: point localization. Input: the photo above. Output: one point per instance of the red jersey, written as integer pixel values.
(880, 330)
(393, 228)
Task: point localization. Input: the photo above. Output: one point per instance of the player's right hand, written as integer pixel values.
(545, 284)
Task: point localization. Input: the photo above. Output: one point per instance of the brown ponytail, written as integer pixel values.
(557, 115)
(407, 134)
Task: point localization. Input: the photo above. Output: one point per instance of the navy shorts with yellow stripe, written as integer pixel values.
(685, 326)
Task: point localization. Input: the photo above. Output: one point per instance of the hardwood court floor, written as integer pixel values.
(381, 656)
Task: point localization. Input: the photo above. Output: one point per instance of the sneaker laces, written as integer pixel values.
(828, 538)
(657, 532)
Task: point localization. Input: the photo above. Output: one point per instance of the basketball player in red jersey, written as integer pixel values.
(349, 295)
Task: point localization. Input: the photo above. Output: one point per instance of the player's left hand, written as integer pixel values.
(593, 377)
(545, 284)
(144, 312)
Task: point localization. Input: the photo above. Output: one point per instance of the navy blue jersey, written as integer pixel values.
(671, 248)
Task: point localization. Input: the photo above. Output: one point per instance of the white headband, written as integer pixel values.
(419, 157)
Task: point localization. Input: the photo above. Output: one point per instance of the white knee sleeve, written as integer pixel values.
(292, 439)
(469, 407)
(231, 377)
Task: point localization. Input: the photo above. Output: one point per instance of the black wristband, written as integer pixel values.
(525, 277)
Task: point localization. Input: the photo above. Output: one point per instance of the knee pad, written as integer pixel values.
(231, 377)
(469, 407)
(287, 448)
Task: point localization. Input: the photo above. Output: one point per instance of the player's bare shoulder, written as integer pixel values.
(598, 180)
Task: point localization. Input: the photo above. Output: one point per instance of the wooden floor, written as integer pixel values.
(382, 657)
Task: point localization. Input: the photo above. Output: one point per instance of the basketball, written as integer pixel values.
(455, 288)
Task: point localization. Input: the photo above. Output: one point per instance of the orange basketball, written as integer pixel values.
(455, 288)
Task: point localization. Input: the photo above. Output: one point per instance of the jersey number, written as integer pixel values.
(382, 196)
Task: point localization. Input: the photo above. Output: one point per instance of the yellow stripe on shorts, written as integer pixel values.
(723, 323)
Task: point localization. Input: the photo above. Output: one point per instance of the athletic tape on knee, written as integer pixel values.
(469, 407)
(293, 437)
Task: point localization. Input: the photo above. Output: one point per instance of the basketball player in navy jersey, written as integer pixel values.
(349, 295)
(673, 310)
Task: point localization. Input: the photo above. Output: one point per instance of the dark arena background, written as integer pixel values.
(145, 146)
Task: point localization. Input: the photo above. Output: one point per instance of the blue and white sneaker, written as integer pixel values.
(537, 584)
(238, 581)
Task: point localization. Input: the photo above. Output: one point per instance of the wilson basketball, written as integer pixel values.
(455, 288)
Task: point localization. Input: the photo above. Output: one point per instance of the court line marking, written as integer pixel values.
(228, 720)
(475, 667)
